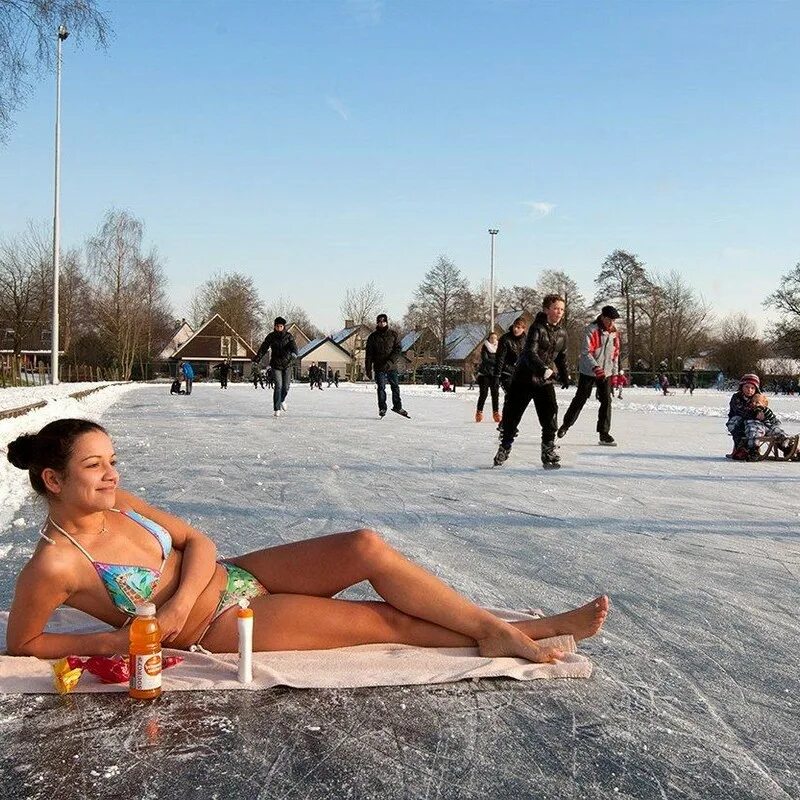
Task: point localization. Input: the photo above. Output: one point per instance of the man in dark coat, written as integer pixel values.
(224, 371)
(508, 349)
(542, 362)
(382, 352)
(283, 351)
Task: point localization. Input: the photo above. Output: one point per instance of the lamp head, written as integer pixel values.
(62, 32)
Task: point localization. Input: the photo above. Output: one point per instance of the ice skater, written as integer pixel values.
(543, 360)
(508, 350)
(185, 369)
(91, 523)
(382, 352)
(283, 351)
(689, 381)
(486, 380)
(224, 371)
(599, 361)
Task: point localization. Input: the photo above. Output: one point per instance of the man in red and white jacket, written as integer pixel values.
(599, 361)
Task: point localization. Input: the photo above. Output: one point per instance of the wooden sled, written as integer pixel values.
(768, 449)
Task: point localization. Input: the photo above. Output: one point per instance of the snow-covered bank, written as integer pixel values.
(15, 487)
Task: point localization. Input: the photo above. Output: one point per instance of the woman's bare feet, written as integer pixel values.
(508, 641)
(580, 623)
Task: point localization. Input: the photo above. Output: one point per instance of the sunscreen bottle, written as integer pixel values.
(244, 621)
(145, 654)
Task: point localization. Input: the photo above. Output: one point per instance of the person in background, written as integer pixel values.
(486, 379)
(283, 351)
(188, 375)
(599, 361)
(381, 354)
(224, 371)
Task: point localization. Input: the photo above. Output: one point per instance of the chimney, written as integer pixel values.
(348, 323)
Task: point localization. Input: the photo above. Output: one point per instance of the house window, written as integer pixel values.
(8, 335)
(225, 346)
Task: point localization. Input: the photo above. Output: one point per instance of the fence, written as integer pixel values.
(16, 372)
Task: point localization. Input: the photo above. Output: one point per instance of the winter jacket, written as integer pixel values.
(508, 349)
(282, 347)
(545, 348)
(188, 372)
(488, 360)
(382, 352)
(600, 349)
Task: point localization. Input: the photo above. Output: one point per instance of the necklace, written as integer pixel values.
(59, 528)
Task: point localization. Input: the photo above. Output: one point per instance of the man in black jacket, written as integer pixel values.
(508, 349)
(382, 352)
(283, 351)
(543, 359)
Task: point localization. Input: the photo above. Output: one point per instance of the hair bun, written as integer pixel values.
(21, 451)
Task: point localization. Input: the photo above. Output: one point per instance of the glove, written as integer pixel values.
(599, 373)
(548, 373)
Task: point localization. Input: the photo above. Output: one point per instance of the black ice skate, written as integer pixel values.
(501, 456)
(402, 412)
(382, 413)
(607, 439)
(550, 457)
(562, 432)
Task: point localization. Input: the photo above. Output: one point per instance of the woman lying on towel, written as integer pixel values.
(104, 550)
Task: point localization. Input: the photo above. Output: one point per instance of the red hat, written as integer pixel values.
(750, 378)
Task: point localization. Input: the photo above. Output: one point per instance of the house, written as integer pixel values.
(180, 337)
(419, 348)
(325, 353)
(212, 343)
(300, 336)
(353, 338)
(35, 344)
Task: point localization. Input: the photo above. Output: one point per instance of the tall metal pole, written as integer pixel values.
(492, 233)
(62, 34)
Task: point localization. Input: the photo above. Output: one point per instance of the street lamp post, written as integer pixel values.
(492, 233)
(62, 35)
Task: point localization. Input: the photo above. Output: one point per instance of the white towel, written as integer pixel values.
(344, 667)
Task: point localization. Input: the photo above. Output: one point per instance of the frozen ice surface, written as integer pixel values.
(694, 693)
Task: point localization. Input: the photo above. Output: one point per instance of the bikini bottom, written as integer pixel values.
(241, 585)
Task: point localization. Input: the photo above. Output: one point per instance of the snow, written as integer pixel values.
(695, 689)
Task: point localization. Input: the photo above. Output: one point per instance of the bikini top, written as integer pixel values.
(129, 585)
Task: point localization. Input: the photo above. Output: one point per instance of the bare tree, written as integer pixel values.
(234, 296)
(28, 31)
(115, 259)
(26, 268)
(786, 300)
(291, 312)
(737, 347)
(73, 298)
(362, 304)
(623, 277)
(436, 300)
(157, 309)
(519, 298)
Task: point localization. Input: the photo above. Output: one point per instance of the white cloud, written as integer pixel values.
(367, 12)
(339, 107)
(539, 208)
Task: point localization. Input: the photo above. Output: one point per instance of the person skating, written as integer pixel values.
(689, 381)
(283, 351)
(382, 352)
(599, 361)
(486, 381)
(542, 361)
(508, 350)
(224, 371)
(188, 375)
(336, 379)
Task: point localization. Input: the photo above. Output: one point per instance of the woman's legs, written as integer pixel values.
(483, 390)
(324, 566)
(301, 622)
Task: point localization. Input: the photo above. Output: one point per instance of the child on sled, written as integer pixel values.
(751, 421)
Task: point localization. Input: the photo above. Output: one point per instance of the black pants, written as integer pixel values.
(487, 384)
(518, 397)
(585, 385)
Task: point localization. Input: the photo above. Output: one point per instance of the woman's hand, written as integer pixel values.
(172, 617)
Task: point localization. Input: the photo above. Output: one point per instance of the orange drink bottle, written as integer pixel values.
(145, 654)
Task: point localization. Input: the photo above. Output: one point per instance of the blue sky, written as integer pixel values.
(319, 145)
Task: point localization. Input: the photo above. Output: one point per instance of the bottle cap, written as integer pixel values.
(146, 610)
(244, 609)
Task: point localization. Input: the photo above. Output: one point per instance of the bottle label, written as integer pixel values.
(146, 671)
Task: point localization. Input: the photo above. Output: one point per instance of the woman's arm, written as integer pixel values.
(41, 588)
(197, 568)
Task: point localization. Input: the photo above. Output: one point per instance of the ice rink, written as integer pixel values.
(695, 688)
